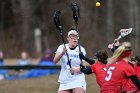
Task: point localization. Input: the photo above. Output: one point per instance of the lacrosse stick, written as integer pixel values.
(59, 27)
(123, 33)
(75, 9)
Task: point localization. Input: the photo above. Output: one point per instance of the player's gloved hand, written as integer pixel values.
(82, 67)
(85, 69)
(117, 43)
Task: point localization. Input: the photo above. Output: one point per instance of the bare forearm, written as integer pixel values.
(57, 57)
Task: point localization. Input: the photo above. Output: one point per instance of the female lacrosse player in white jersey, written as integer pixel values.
(70, 83)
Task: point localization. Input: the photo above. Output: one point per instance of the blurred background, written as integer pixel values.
(28, 24)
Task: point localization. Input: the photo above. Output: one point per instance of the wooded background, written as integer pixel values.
(98, 26)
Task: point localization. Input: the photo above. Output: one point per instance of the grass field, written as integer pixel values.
(46, 84)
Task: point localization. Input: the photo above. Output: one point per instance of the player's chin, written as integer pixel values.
(75, 43)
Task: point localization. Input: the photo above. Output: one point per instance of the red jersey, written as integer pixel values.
(116, 74)
(99, 70)
(137, 69)
(129, 86)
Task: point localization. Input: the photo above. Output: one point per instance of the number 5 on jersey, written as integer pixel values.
(109, 72)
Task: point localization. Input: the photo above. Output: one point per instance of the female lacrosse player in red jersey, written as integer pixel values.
(98, 67)
(118, 70)
(70, 83)
(129, 86)
(137, 66)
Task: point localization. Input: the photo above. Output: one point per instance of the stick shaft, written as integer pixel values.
(61, 33)
(59, 27)
(76, 24)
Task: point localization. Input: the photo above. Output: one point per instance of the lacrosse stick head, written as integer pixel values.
(75, 9)
(56, 19)
(125, 32)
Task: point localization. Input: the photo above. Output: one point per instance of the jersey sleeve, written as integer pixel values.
(129, 70)
(83, 51)
(60, 49)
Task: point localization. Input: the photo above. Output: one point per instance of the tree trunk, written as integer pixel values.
(25, 15)
(134, 22)
(110, 23)
(2, 22)
(137, 26)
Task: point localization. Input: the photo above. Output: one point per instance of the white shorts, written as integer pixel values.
(71, 85)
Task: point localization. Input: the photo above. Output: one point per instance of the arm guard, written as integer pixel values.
(86, 70)
(90, 61)
(136, 81)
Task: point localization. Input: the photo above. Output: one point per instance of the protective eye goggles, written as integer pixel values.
(72, 36)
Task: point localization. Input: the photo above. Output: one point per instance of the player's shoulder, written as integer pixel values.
(62, 45)
(126, 65)
(81, 46)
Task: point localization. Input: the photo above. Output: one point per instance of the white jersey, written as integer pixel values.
(65, 75)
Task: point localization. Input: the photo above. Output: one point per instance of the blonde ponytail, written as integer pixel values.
(119, 52)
